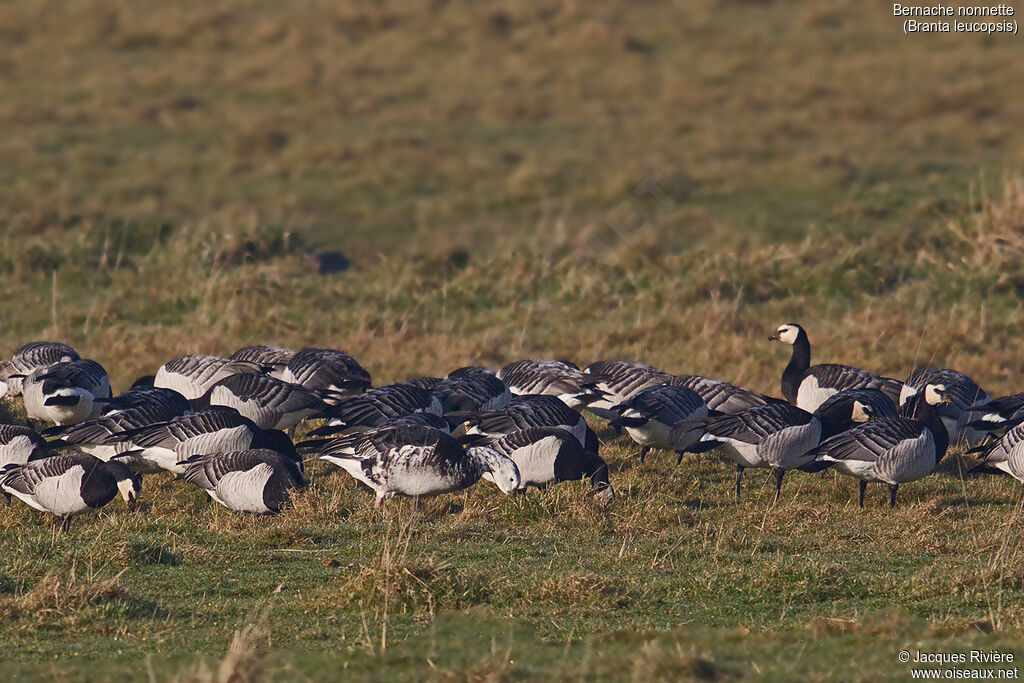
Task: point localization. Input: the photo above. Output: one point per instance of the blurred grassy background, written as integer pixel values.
(659, 180)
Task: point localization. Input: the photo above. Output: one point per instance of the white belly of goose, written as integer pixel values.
(809, 396)
(740, 452)
(909, 460)
(243, 491)
(653, 433)
(61, 495)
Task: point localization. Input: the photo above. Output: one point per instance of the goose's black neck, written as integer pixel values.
(927, 414)
(797, 367)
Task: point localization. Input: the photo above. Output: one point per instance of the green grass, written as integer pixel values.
(663, 181)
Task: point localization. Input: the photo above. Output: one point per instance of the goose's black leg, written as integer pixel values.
(863, 487)
(417, 504)
(779, 474)
(739, 480)
(892, 494)
(65, 523)
(643, 453)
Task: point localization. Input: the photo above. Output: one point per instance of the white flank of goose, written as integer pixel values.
(648, 415)
(328, 369)
(546, 455)
(67, 485)
(269, 402)
(417, 461)
(892, 450)
(618, 380)
(193, 375)
(963, 393)
(779, 436)
(256, 480)
(551, 378)
(217, 430)
(377, 405)
(94, 436)
(523, 412)
(271, 358)
(66, 393)
(807, 386)
(478, 391)
(31, 356)
(18, 445)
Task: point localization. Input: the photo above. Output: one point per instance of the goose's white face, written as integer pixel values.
(130, 490)
(505, 475)
(786, 334)
(934, 394)
(861, 412)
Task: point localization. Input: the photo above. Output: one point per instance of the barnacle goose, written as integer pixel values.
(192, 375)
(255, 480)
(994, 454)
(414, 419)
(217, 430)
(963, 393)
(66, 485)
(721, 396)
(157, 400)
(269, 402)
(66, 392)
(479, 391)
(375, 406)
(648, 415)
(807, 386)
(329, 369)
(31, 356)
(997, 414)
(94, 436)
(417, 461)
(551, 378)
(892, 450)
(271, 359)
(529, 410)
(19, 445)
(779, 436)
(617, 380)
(546, 455)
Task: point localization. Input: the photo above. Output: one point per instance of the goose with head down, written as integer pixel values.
(257, 480)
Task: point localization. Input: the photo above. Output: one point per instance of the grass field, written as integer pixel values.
(665, 181)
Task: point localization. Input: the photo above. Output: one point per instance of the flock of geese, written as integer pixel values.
(227, 425)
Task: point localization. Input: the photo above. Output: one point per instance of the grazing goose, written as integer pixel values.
(66, 392)
(31, 356)
(269, 402)
(807, 386)
(523, 412)
(156, 400)
(377, 405)
(417, 461)
(551, 378)
(479, 391)
(721, 396)
(256, 480)
(617, 380)
(995, 453)
(193, 375)
(328, 369)
(963, 392)
(67, 485)
(892, 450)
(271, 358)
(997, 414)
(415, 419)
(648, 415)
(546, 455)
(217, 430)
(95, 436)
(19, 445)
(779, 436)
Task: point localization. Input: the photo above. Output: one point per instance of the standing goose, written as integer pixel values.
(377, 405)
(648, 415)
(551, 378)
(328, 369)
(479, 391)
(779, 436)
(963, 392)
(19, 445)
(269, 402)
(31, 356)
(892, 450)
(271, 359)
(807, 386)
(417, 461)
(546, 455)
(193, 375)
(256, 480)
(66, 393)
(67, 485)
(217, 430)
(523, 412)
(617, 380)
